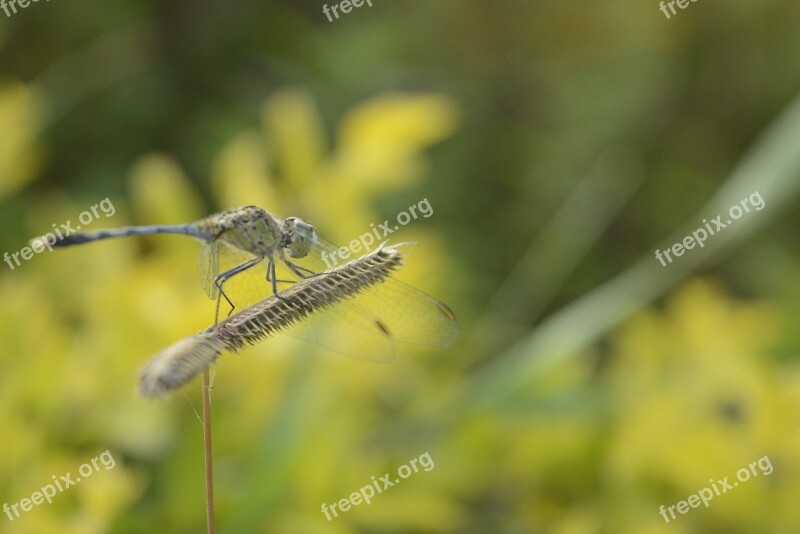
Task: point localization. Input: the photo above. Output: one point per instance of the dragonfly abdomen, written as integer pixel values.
(87, 237)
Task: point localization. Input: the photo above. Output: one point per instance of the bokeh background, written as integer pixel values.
(559, 143)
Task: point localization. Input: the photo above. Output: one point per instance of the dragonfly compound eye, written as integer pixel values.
(301, 237)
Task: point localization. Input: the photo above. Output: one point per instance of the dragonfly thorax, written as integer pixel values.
(251, 229)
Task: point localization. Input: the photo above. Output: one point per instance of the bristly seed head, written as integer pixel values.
(178, 364)
(181, 362)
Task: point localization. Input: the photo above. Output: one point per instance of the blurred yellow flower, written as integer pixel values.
(20, 154)
(699, 399)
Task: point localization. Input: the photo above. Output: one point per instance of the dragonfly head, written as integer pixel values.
(299, 237)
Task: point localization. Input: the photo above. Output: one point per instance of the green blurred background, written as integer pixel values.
(559, 143)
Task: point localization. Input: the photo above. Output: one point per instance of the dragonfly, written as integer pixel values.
(234, 242)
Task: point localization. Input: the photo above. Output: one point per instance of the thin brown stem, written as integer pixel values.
(207, 448)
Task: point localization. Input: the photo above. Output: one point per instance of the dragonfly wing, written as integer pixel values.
(208, 267)
(342, 328)
(345, 330)
(410, 315)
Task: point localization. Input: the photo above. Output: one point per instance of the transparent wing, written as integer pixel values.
(344, 328)
(351, 335)
(410, 315)
(208, 267)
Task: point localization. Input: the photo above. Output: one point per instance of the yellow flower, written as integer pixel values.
(699, 399)
(20, 155)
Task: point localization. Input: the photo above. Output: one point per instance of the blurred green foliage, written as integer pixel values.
(559, 144)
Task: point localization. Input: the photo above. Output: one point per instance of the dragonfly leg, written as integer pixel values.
(272, 277)
(269, 278)
(221, 278)
(296, 269)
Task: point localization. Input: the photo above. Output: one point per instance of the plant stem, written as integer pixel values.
(207, 449)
